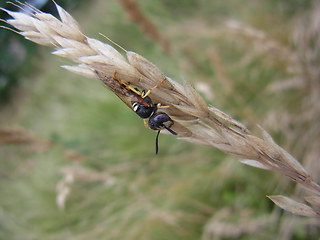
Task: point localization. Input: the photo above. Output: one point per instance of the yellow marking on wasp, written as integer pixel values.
(163, 106)
(151, 89)
(146, 124)
(143, 94)
(126, 84)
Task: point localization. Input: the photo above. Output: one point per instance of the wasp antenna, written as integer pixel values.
(171, 131)
(157, 142)
(123, 49)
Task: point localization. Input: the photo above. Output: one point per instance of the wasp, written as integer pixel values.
(140, 103)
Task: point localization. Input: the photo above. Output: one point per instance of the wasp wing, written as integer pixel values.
(119, 88)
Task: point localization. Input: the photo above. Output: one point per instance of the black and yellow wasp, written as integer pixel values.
(140, 103)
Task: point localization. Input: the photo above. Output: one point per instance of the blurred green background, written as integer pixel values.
(76, 163)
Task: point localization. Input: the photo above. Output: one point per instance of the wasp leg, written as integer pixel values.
(146, 124)
(133, 89)
(145, 94)
(163, 106)
(126, 84)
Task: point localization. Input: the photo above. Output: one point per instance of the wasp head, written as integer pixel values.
(161, 120)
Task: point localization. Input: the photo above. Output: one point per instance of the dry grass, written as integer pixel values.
(305, 81)
(194, 120)
(261, 43)
(220, 226)
(16, 135)
(19, 136)
(76, 173)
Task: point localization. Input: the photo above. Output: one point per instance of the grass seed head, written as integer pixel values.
(194, 120)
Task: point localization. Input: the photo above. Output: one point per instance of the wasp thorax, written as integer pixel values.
(142, 110)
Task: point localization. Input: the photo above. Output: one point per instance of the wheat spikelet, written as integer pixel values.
(194, 120)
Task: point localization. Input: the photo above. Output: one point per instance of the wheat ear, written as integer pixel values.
(195, 121)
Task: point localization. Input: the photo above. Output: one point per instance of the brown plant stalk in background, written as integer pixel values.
(20, 136)
(195, 121)
(131, 7)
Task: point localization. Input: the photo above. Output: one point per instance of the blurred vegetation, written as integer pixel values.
(17, 54)
(85, 141)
